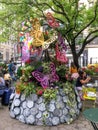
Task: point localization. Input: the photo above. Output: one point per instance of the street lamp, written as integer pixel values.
(21, 45)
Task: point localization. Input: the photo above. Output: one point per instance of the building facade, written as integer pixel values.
(7, 51)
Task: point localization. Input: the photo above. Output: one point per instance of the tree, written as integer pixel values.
(73, 19)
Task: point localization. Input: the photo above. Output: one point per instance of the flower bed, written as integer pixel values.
(36, 111)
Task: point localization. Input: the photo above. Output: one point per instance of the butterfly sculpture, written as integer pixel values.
(45, 80)
(36, 33)
(38, 37)
(61, 50)
(49, 41)
(60, 55)
(62, 42)
(51, 20)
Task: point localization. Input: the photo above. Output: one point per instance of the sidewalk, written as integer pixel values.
(7, 123)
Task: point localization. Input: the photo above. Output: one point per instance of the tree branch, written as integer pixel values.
(83, 45)
(58, 4)
(93, 19)
(90, 34)
(58, 12)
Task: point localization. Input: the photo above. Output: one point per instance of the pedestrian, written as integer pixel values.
(82, 80)
(2, 81)
(2, 88)
(11, 69)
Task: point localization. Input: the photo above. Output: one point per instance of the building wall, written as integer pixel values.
(7, 49)
(93, 55)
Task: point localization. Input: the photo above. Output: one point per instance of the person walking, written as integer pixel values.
(11, 70)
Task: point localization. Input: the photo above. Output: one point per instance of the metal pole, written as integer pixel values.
(21, 55)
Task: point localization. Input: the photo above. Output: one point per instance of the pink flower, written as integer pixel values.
(45, 87)
(75, 75)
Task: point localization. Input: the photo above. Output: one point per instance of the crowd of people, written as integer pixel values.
(7, 74)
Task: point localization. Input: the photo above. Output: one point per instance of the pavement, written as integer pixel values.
(7, 123)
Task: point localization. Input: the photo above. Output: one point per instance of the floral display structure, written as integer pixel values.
(43, 94)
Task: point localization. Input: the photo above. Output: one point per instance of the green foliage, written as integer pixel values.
(46, 67)
(27, 88)
(90, 71)
(19, 71)
(68, 88)
(49, 94)
(61, 70)
(27, 73)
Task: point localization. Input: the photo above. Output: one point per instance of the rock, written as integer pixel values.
(60, 105)
(30, 104)
(40, 122)
(24, 104)
(17, 95)
(26, 112)
(12, 106)
(56, 112)
(12, 114)
(65, 111)
(62, 118)
(30, 119)
(65, 99)
(59, 98)
(39, 115)
(80, 105)
(42, 107)
(17, 102)
(34, 97)
(51, 107)
(21, 110)
(23, 97)
(22, 119)
(12, 96)
(34, 111)
(67, 118)
(78, 99)
(16, 110)
(48, 122)
(62, 92)
(40, 100)
(55, 121)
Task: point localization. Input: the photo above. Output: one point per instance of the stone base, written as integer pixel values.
(34, 110)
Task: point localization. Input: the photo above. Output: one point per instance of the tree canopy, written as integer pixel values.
(74, 19)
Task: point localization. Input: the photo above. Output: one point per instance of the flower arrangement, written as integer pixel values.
(43, 81)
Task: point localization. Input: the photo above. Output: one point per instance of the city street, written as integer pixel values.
(7, 123)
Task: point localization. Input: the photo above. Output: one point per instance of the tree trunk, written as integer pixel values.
(75, 58)
(46, 56)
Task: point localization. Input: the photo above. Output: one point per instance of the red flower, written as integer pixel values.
(39, 92)
(46, 32)
(96, 70)
(83, 69)
(28, 61)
